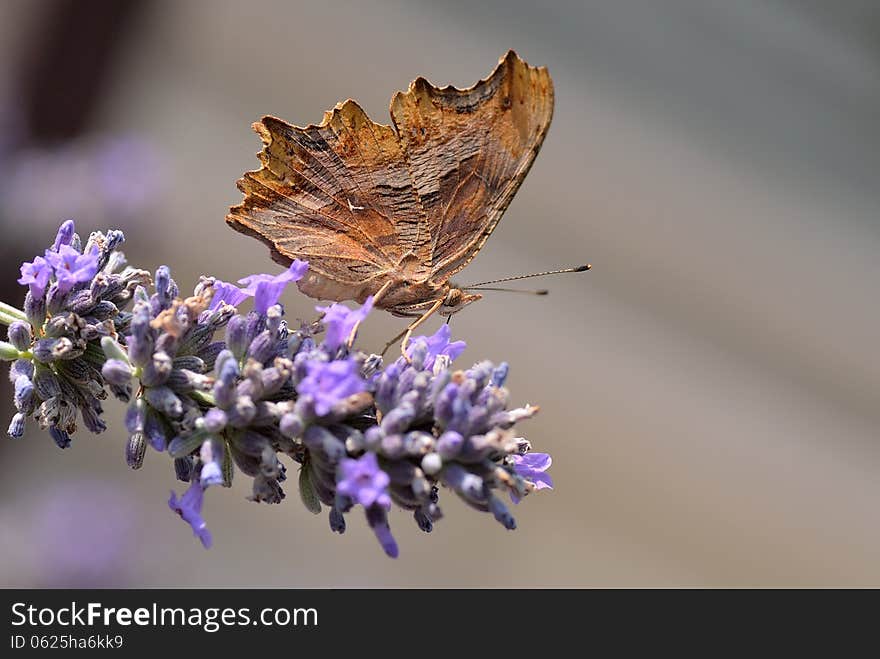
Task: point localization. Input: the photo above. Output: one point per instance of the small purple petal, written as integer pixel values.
(36, 275)
(189, 507)
(228, 293)
(339, 322)
(71, 267)
(438, 344)
(364, 482)
(267, 289)
(542, 481)
(330, 382)
(531, 467)
(378, 521)
(535, 461)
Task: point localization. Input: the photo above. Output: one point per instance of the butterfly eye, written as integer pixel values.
(453, 298)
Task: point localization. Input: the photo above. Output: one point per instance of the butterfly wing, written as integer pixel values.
(338, 195)
(363, 202)
(468, 151)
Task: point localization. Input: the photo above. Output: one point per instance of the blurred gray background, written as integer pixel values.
(709, 391)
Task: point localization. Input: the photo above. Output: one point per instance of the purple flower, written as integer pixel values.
(71, 267)
(439, 344)
(36, 275)
(363, 482)
(103, 177)
(189, 507)
(228, 293)
(339, 321)
(267, 289)
(531, 467)
(330, 382)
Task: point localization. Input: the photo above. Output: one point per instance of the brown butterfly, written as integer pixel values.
(395, 211)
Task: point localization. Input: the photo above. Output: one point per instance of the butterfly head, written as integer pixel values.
(456, 300)
(406, 298)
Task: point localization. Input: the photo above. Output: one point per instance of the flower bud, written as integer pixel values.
(291, 425)
(19, 333)
(16, 427)
(135, 449)
(35, 310)
(432, 463)
(157, 370)
(214, 420)
(183, 468)
(61, 438)
(116, 372)
(164, 400)
(337, 521)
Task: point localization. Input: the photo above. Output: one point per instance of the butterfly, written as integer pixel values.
(394, 211)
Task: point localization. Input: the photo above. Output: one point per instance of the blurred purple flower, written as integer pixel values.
(439, 344)
(99, 178)
(330, 382)
(189, 507)
(36, 276)
(71, 267)
(70, 545)
(339, 321)
(127, 170)
(364, 482)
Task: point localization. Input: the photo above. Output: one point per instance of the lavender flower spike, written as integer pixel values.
(220, 403)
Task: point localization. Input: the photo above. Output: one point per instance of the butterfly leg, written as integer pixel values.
(392, 342)
(409, 330)
(376, 298)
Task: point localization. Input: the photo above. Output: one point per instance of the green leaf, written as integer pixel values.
(307, 492)
(183, 446)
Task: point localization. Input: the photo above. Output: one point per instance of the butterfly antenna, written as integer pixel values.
(542, 291)
(579, 268)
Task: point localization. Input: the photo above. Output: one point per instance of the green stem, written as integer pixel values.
(6, 319)
(8, 313)
(202, 397)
